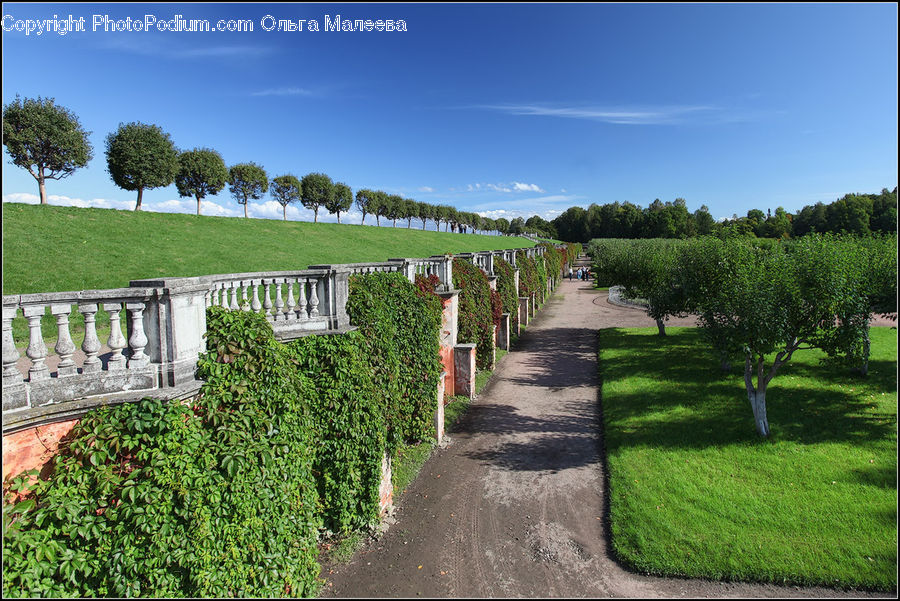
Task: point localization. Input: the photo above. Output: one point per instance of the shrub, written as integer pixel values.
(479, 310)
(506, 288)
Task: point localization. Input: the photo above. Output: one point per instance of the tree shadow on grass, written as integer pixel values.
(694, 406)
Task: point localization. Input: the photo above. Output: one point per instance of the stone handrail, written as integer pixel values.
(157, 329)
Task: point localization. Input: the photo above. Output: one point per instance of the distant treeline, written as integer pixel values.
(859, 214)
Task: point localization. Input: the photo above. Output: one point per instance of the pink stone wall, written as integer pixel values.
(33, 448)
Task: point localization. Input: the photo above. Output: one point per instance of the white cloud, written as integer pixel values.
(615, 115)
(293, 91)
(426, 189)
(504, 187)
(520, 187)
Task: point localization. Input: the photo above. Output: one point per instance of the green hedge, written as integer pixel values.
(479, 310)
(225, 497)
(506, 288)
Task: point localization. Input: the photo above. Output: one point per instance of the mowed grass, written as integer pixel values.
(58, 249)
(55, 249)
(694, 491)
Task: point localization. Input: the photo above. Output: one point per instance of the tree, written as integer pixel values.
(45, 139)
(775, 300)
(246, 181)
(395, 208)
(378, 205)
(341, 200)
(424, 211)
(502, 225)
(201, 173)
(286, 189)
(410, 211)
(139, 157)
(317, 190)
(364, 202)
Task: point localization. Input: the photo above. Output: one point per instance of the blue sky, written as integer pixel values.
(503, 109)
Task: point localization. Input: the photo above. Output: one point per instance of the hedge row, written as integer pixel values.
(226, 497)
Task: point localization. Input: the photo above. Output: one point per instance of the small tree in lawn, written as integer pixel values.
(246, 181)
(778, 300)
(45, 139)
(364, 202)
(139, 157)
(341, 200)
(286, 189)
(396, 208)
(201, 173)
(410, 211)
(317, 190)
(378, 205)
(424, 212)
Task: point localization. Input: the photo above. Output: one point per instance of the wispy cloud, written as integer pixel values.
(503, 187)
(664, 115)
(284, 92)
(427, 189)
(153, 45)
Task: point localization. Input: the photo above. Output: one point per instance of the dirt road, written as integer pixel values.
(514, 505)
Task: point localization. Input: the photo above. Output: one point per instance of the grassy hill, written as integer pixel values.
(54, 249)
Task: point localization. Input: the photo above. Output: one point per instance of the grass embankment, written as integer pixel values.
(56, 249)
(694, 491)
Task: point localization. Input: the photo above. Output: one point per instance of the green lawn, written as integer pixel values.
(54, 249)
(694, 491)
(57, 249)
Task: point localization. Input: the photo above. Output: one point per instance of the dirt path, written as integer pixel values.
(514, 505)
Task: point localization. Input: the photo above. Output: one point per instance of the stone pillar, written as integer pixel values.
(439, 409)
(174, 323)
(503, 332)
(449, 329)
(386, 489)
(464, 367)
(532, 309)
(492, 281)
(13, 382)
(516, 280)
(523, 310)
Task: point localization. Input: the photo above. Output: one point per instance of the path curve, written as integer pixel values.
(514, 505)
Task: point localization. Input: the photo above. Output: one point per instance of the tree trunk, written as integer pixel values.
(661, 326)
(284, 211)
(43, 190)
(316, 215)
(758, 403)
(339, 217)
(245, 209)
(198, 205)
(137, 207)
(757, 395)
(863, 369)
(363, 222)
(377, 220)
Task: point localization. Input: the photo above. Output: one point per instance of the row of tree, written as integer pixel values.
(756, 299)
(859, 214)
(48, 140)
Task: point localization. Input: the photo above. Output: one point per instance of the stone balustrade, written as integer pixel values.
(157, 329)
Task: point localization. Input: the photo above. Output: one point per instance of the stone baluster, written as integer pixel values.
(291, 302)
(313, 298)
(116, 340)
(207, 299)
(255, 305)
(245, 303)
(91, 344)
(279, 303)
(10, 354)
(267, 301)
(65, 348)
(234, 306)
(37, 350)
(138, 339)
(301, 292)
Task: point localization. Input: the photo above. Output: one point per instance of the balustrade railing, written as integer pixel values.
(157, 328)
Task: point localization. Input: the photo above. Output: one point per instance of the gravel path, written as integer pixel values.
(514, 504)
